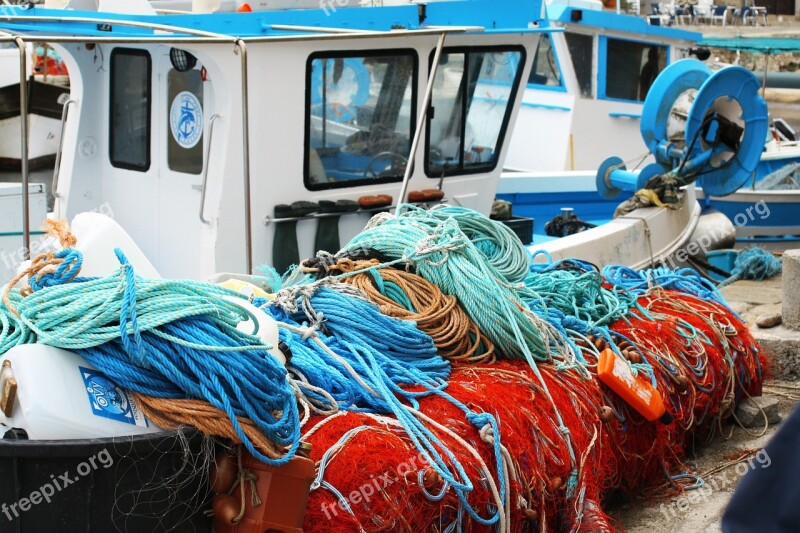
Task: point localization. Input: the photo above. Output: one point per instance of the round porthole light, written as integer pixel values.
(181, 60)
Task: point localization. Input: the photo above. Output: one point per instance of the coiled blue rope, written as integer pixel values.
(754, 263)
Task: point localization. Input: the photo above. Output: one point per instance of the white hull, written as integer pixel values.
(640, 239)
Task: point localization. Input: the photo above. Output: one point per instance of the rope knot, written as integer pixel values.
(49, 269)
(485, 423)
(52, 269)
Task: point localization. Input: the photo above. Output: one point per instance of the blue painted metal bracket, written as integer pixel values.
(546, 106)
(621, 114)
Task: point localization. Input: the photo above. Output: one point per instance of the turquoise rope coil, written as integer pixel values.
(442, 254)
(496, 241)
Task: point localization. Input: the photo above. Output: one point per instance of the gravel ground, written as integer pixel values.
(701, 510)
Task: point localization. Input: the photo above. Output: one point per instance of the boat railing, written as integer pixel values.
(57, 168)
(211, 122)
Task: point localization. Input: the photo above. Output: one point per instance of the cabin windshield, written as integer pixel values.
(545, 70)
(359, 118)
(631, 68)
(471, 105)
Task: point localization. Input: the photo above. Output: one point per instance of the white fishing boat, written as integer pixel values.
(588, 83)
(180, 128)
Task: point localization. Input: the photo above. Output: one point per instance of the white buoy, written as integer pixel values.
(97, 236)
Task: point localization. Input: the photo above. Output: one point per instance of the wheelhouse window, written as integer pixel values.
(631, 67)
(129, 119)
(471, 104)
(360, 117)
(581, 50)
(545, 69)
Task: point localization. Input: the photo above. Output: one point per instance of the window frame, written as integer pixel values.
(463, 170)
(561, 87)
(344, 54)
(602, 65)
(593, 69)
(111, 101)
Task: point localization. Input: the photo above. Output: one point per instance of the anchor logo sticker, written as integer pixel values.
(186, 119)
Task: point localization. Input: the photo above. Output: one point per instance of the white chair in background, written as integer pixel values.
(719, 14)
(702, 13)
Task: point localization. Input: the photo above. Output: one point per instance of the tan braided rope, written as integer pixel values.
(44, 263)
(199, 414)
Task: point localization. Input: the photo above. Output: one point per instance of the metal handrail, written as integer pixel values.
(57, 169)
(211, 121)
(56, 38)
(116, 22)
(23, 116)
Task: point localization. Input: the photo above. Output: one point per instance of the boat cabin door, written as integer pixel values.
(183, 111)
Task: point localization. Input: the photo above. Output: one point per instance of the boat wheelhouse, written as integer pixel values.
(224, 141)
(588, 81)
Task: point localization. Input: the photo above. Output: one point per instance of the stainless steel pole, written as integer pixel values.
(420, 124)
(248, 230)
(23, 120)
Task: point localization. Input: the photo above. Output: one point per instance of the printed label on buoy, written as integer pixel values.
(110, 401)
(186, 119)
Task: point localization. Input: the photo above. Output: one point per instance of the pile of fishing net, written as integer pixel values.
(702, 367)
(444, 380)
(523, 436)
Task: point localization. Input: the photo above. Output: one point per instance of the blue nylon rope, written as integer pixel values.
(384, 353)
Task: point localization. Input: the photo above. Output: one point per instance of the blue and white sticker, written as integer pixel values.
(110, 401)
(186, 119)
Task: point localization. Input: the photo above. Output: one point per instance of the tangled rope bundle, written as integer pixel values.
(407, 296)
(174, 341)
(362, 358)
(442, 254)
(388, 365)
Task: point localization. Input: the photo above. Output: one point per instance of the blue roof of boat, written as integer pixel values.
(610, 20)
(766, 45)
(494, 15)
